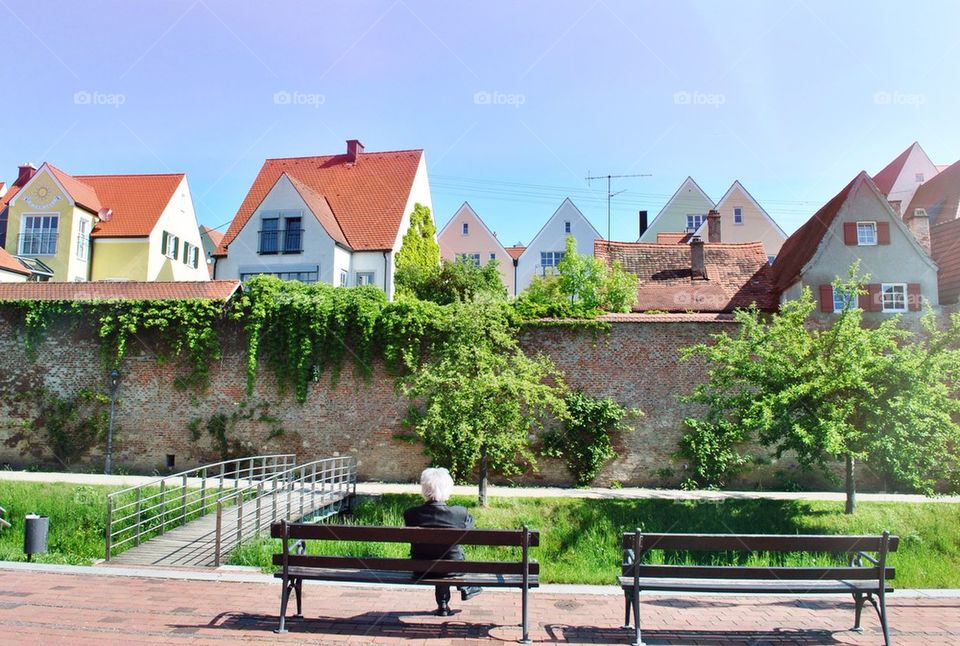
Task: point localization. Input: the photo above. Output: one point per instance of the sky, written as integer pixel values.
(515, 103)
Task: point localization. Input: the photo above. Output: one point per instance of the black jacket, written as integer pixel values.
(437, 515)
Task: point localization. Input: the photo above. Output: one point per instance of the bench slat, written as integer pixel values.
(760, 542)
(754, 586)
(721, 572)
(403, 578)
(405, 565)
(421, 535)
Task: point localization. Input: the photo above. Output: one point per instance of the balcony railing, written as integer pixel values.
(281, 241)
(38, 244)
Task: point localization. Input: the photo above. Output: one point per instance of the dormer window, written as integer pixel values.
(866, 234)
(465, 228)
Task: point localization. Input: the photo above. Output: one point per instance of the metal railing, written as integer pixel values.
(3, 522)
(315, 489)
(136, 514)
(38, 243)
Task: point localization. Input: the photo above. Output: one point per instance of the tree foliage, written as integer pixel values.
(419, 255)
(479, 399)
(878, 395)
(582, 286)
(461, 280)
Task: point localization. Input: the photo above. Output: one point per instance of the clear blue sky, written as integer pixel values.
(782, 95)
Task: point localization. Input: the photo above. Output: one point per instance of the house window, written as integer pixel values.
(549, 260)
(302, 276)
(39, 237)
(343, 277)
(843, 300)
(694, 221)
(466, 229)
(83, 239)
(737, 215)
(473, 258)
(493, 256)
(292, 235)
(186, 252)
(269, 235)
(919, 177)
(195, 257)
(566, 227)
(169, 245)
(866, 233)
(365, 278)
(770, 259)
(893, 297)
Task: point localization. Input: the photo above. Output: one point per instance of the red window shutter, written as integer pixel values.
(826, 298)
(913, 297)
(849, 233)
(874, 303)
(883, 233)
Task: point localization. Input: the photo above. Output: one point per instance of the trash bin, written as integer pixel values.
(35, 531)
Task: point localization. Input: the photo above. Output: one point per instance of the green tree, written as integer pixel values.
(461, 281)
(881, 396)
(419, 255)
(479, 400)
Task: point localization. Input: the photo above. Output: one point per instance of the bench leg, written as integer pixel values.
(284, 597)
(627, 607)
(637, 641)
(882, 610)
(859, 600)
(524, 617)
(298, 589)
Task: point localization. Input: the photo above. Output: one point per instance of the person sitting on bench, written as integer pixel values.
(436, 485)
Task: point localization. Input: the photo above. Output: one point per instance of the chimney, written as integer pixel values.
(698, 267)
(27, 171)
(643, 224)
(919, 224)
(354, 148)
(896, 205)
(713, 226)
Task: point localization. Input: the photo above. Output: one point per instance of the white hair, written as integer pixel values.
(436, 484)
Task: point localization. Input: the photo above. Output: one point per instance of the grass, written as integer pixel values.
(579, 537)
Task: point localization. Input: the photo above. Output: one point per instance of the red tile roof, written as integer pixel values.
(939, 195)
(214, 235)
(11, 192)
(738, 275)
(367, 197)
(673, 238)
(945, 249)
(799, 248)
(320, 208)
(83, 194)
(886, 177)
(137, 201)
(210, 290)
(515, 252)
(9, 263)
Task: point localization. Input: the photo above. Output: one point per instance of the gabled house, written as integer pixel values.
(210, 240)
(103, 227)
(899, 180)
(339, 219)
(744, 220)
(466, 236)
(684, 212)
(541, 256)
(939, 200)
(859, 223)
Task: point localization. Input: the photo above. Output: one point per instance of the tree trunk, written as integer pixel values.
(851, 486)
(483, 478)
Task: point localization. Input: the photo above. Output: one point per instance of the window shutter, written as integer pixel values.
(873, 293)
(883, 233)
(163, 242)
(849, 233)
(826, 298)
(176, 246)
(913, 297)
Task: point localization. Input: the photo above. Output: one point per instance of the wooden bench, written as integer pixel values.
(865, 582)
(296, 566)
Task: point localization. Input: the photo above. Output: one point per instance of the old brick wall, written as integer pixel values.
(636, 363)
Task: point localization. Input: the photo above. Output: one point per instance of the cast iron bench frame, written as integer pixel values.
(865, 582)
(297, 567)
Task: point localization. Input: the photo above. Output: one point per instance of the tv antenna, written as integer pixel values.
(610, 194)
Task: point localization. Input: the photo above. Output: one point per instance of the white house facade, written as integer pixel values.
(547, 247)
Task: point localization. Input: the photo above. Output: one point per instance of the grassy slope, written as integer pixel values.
(579, 537)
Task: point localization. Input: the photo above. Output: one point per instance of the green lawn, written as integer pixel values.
(578, 540)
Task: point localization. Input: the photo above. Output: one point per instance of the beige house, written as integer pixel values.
(466, 236)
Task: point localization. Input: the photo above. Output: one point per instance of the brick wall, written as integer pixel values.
(636, 363)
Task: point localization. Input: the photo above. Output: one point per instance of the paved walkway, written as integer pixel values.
(46, 604)
(374, 488)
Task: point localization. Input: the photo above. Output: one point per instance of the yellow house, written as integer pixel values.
(105, 227)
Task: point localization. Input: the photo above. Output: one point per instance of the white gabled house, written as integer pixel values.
(899, 180)
(339, 219)
(547, 247)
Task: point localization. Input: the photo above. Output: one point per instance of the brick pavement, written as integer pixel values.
(39, 607)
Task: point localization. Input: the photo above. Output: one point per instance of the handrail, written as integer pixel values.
(188, 497)
(337, 480)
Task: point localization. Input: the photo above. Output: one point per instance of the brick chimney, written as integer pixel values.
(354, 148)
(643, 223)
(698, 266)
(713, 226)
(896, 205)
(27, 171)
(919, 224)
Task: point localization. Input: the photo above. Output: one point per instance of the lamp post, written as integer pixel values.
(114, 383)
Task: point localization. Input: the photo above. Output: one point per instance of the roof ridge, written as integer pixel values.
(183, 174)
(379, 152)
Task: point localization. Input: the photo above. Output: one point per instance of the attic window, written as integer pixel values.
(920, 178)
(866, 233)
(737, 215)
(466, 229)
(566, 227)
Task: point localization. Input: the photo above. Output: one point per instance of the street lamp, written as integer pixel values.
(114, 383)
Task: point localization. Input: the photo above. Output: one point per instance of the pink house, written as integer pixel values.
(465, 235)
